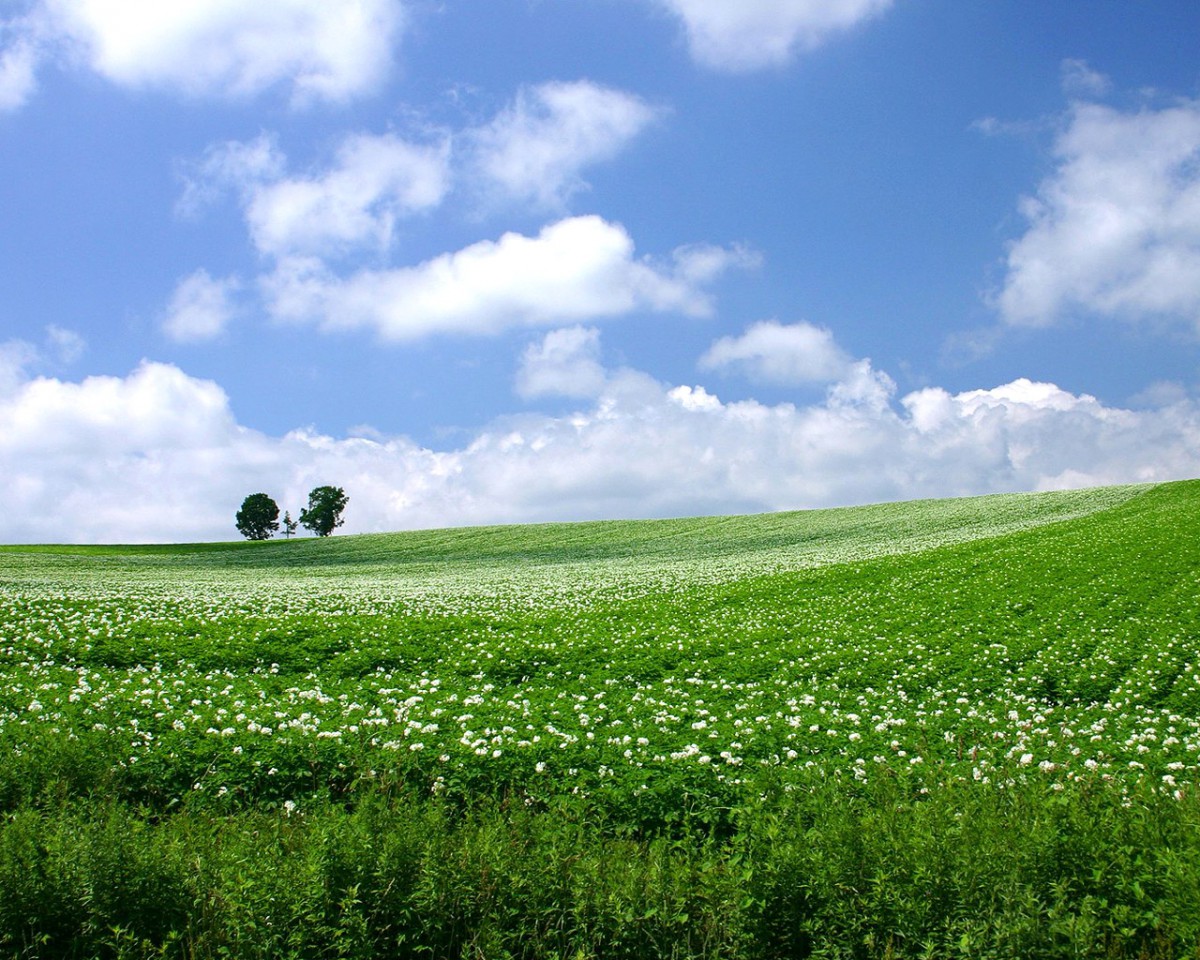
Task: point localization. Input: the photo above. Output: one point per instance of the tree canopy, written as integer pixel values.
(324, 511)
(259, 517)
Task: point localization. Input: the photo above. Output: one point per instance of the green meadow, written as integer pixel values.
(955, 728)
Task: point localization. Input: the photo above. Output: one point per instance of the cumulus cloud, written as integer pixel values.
(535, 149)
(1044, 437)
(352, 203)
(797, 354)
(752, 34)
(1114, 231)
(85, 456)
(373, 181)
(321, 51)
(774, 352)
(242, 167)
(201, 308)
(862, 386)
(19, 359)
(563, 363)
(578, 269)
(158, 455)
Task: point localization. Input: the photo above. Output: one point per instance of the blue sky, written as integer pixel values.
(525, 260)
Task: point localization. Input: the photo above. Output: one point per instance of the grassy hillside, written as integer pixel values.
(939, 728)
(531, 555)
(822, 533)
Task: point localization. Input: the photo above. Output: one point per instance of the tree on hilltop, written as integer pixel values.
(259, 517)
(324, 511)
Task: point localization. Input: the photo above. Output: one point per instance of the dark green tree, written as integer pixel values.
(259, 517)
(324, 511)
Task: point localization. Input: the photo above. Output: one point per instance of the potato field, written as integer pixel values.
(957, 728)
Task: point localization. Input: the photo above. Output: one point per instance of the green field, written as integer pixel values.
(940, 728)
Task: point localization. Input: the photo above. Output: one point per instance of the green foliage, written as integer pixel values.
(964, 728)
(258, 517)
(324, 511)
(967, 872)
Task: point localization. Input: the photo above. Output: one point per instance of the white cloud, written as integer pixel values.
(16, 357)
(374, 180)
(535, 149)
(157, 407)
(158, 455)
(578, 269)
(19, 57)
(862, 386)
(20, 359)
(800, 353)
(121, 458)
(1042, 437)
(1114, 231)
(243, 167)
(201, 308)
(67, 346)
(1161, 393)
(564, 363)
(1080, 80)
(751, 34)
(353, 203)
(323, 51)
(773, 352)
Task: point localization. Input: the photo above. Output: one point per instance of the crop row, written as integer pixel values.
(958, 664)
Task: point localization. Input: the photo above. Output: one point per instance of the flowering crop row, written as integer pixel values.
(1047, 638)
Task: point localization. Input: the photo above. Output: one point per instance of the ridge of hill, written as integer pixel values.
(700, 549)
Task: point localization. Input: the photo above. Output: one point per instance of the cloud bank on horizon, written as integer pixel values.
(159, 455)
(369, 216)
